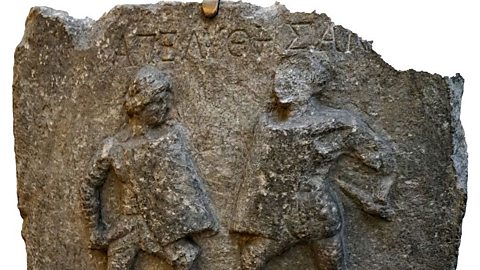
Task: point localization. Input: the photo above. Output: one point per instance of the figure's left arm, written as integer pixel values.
(378, 153)
(90, 195)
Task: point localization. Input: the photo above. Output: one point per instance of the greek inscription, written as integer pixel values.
(124, 51)
(168, 45)
(302, 39)
(194, 47)
(327, 41)
(261, 40)
(167, 39)
(145, 48)
(241, 43)
(140, 48)
(260, 44)
(238, 43)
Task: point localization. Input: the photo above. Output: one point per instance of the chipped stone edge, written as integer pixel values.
(77, 29)
(459, 155)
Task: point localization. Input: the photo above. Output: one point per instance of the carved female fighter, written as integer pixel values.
(288, 196)
(163, 197)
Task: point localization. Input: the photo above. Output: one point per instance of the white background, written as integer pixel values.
(434, 36)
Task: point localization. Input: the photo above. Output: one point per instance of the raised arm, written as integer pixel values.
(90, 195)
(376, 152)
(356, 139)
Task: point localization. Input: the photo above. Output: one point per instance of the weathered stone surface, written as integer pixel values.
(156, 138)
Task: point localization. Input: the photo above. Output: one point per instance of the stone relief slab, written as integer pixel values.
(158, 138)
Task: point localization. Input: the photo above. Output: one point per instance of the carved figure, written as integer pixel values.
(164, 202)
(288, 195)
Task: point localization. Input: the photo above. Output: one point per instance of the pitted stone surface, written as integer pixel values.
(156, 138)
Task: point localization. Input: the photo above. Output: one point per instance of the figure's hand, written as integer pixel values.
(381, 197)
(383, 190)
(102, 158)
(98, 240)
(377, 206)
(383, 210)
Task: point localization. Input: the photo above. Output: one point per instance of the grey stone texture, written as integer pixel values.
(157, 138)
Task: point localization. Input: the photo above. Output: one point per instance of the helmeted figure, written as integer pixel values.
(163, 198)
(288, 195)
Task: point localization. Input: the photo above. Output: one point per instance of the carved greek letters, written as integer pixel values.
(305, 36)
(194, 48)
(146, 48)
(140, 47)
(241, 43)
(302, 32)
(238, 44)
(327, 42)
(260, 44)
(168, 39)
(170, 44)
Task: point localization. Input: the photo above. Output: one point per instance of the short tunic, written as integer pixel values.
(287, 192)
(164, 184)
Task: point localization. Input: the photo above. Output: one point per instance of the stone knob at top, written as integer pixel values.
(210, 8)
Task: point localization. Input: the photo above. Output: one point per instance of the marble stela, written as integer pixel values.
(158, 138)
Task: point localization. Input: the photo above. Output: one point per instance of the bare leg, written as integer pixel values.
(122, 253)
(259, 251)
(329, 253)
(181, 254)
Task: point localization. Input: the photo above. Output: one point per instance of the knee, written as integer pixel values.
(122, 253)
